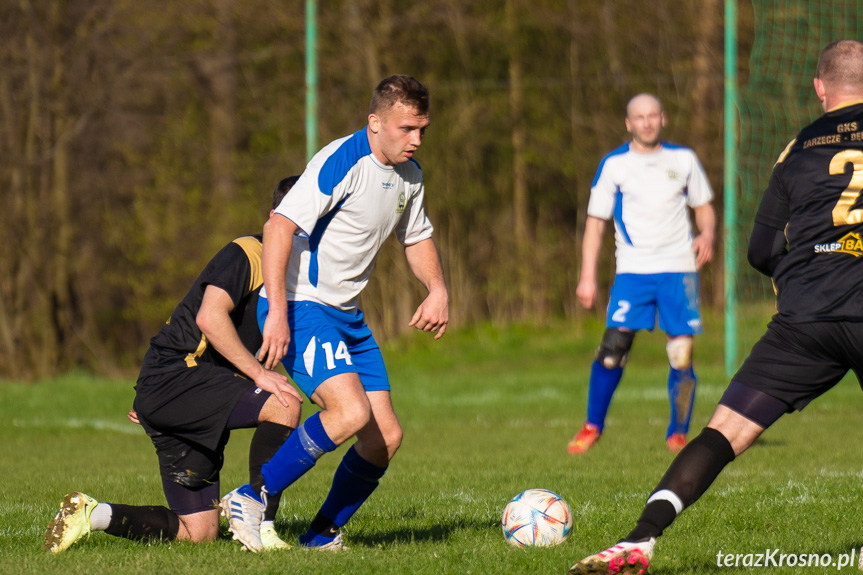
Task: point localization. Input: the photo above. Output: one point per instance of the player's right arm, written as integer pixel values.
(600, 208)
(214, 320)
(277, 246)
(592, 242)
(768, 243)
(767, 247)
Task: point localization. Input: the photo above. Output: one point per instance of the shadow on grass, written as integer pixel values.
(768, 442)
(404, 534)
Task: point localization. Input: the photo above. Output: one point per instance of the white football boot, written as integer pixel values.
(245, 513)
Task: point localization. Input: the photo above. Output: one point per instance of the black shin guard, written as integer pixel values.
(266, 441)
(686, 480)
(145, 522)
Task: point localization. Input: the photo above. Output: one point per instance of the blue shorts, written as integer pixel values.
(326, 342)
(636, 298)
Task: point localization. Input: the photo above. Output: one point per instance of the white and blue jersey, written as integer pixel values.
(347, 204)
(647, 195)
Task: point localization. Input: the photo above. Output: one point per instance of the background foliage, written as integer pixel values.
(135, 141)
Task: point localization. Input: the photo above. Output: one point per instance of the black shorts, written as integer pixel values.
(797, 362)
(188, 413)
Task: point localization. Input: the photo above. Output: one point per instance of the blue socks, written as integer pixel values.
(298, 454)
(354, 481)
(681, 395)
(603, 383)
(249, 491)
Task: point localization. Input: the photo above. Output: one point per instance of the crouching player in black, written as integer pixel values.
(807, 237)
(199, 380)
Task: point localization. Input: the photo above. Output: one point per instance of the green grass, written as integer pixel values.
(487, 413)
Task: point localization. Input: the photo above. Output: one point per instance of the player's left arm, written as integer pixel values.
(699, 197)
(432, 315)
(702, 245)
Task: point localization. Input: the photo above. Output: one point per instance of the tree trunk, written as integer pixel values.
(707, 85)
(61, 300)
(31, 304)
(520, 204)
(217, 72)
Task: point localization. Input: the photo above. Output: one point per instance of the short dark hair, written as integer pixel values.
(400, 89)
(840, 65)
(282, 189)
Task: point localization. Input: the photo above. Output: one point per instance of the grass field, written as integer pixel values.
(487, 413)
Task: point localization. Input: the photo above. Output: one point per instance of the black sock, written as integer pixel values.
(143, 522)
(266, 441)
(323, 526)
(686, 480)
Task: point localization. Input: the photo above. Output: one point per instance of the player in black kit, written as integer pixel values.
(807, 237)
(199, 380)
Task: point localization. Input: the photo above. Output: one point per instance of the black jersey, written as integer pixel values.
(180, 343)
(814, 195)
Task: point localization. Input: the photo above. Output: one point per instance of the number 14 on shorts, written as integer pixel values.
(330, 356)
(341, 353)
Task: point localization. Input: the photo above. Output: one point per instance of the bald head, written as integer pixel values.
(645, 120)
(641, 101)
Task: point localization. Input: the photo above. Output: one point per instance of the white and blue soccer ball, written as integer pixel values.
(536, 517)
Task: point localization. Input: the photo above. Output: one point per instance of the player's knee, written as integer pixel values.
(393, 440)
(354, 415)
(274, 412)
(203, 535)
(679, 352)
(199, 527)
(381, 450)
(614, 347)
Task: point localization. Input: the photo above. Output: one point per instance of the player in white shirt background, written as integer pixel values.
(319, 249)
(647, 187)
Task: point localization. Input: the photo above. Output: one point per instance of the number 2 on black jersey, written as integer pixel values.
(843, 215)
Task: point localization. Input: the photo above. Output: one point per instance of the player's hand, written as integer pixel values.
(433, 314)
(277, 336)
(586, 293)
(702, 245)
(133, 416)
(277, 384)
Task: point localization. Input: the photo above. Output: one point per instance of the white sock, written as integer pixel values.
(100, 517)
(268, 523)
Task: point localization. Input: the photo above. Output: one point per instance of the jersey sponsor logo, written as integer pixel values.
(822, 140)
(850, 244)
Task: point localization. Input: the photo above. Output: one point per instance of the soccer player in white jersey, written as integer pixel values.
(646, 186)
(320, 247)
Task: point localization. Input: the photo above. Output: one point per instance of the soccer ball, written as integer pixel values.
(536, 517)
